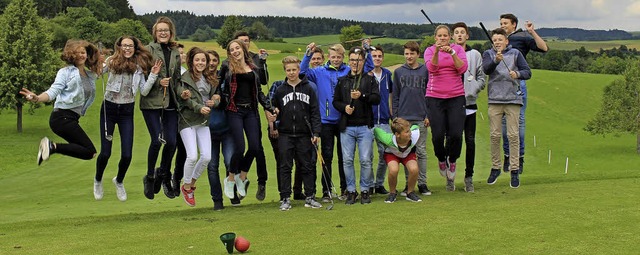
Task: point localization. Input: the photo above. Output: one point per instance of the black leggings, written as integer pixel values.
(446, 117)
(65, 124)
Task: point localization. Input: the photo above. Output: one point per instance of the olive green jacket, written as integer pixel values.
(154, 100)
(190, 108)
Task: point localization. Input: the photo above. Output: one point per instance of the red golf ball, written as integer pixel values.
(242, 244)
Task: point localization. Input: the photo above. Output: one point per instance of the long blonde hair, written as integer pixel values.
(234, 65)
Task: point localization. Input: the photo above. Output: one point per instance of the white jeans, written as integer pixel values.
(194, 138)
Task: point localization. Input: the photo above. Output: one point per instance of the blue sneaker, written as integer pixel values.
(493, 176)
(515, 179)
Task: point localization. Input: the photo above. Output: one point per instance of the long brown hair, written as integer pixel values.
(172, 28)
(234, 66)
(214, 73)
(69, 54)
(192, 71)
(119, 64)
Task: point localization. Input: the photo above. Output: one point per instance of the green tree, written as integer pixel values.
(259, 31)
(349, 34)
(231, 25)
(123, 27)
(426, 43)
(102, 11)
(26, 56)
(620, 111)
(203, 34)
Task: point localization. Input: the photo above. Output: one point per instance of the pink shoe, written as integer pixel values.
(443, 168)
(451, 174)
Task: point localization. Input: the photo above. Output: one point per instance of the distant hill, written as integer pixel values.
(578, 34)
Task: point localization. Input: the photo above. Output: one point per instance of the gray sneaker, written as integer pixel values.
(120, 191)
(285, 205)
(413, 197)
(451, 186)
(311, 203)
(468, 184)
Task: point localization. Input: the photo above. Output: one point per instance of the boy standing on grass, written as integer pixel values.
(400, 147)
(408, 102)
(297, 110)
(381, 116)
(504, 100)
(354, 97)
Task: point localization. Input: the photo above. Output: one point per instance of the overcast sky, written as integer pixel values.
(587, 14)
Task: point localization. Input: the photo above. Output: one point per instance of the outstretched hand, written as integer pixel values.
(29, 95)
(156, 67)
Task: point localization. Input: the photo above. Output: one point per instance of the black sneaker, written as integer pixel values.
(390, 198)
(381, 190)
(515, 180)
(413, 197)
(521, 165)
(493, 176)
(167, 187)
(235, 201)
(365, 198)
(351, 198)
(158, 177)
(372, 190)
(343, 195)
(217, 205)
(423, 189)
(175, 183)
(260, 194)
(148, 182)
(505, 164)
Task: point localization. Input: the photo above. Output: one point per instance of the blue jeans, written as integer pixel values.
(363, 137)
(121, 115)
(382, 165)
(521, 122)
(166, 122)
(219, 142)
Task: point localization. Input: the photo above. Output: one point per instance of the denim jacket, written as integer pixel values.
(114, 81)
(68, 91)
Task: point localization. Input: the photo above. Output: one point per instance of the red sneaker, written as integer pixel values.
(188, 196)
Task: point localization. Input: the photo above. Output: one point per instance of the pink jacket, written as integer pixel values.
(445, 80)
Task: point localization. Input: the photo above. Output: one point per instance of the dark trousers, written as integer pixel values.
(328, 133)
(244, 121)
(219, 143)
(261, 161)
(299, 148)
(121, 115)
(446, 117)
(166, 122)
(297, 177)
(470, 144)
(181, 157)
(64, 123)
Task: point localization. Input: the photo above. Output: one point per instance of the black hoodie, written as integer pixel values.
(298, 106)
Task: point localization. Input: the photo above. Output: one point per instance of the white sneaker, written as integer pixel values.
(122, 194)
(228, 187)
(240, 186)
(43, 150)
(97, 190)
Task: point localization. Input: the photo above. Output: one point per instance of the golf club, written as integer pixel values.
(107, 136)
(425, 15)
(324, 177)
(519, 92)
(161, 135)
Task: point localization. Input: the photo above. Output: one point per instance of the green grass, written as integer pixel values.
(591, 210)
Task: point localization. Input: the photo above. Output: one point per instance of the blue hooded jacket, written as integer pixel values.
(326, 78)
(381, 112)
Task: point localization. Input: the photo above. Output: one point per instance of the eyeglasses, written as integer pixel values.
(163, 30)
(127, 46)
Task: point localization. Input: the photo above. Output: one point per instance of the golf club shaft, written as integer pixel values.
(426, 16)
(319, 154)
(104, 100)
(492, 45)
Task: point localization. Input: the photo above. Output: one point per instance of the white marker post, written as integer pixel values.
(534, 141)
(549, 157)
(566, 166)
(481, 115)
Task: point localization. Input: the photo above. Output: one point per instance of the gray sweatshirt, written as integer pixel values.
(474, 77)
(502, 89)
(409, 89)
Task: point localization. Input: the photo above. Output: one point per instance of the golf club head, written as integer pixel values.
(108, 137)
(329, 208)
